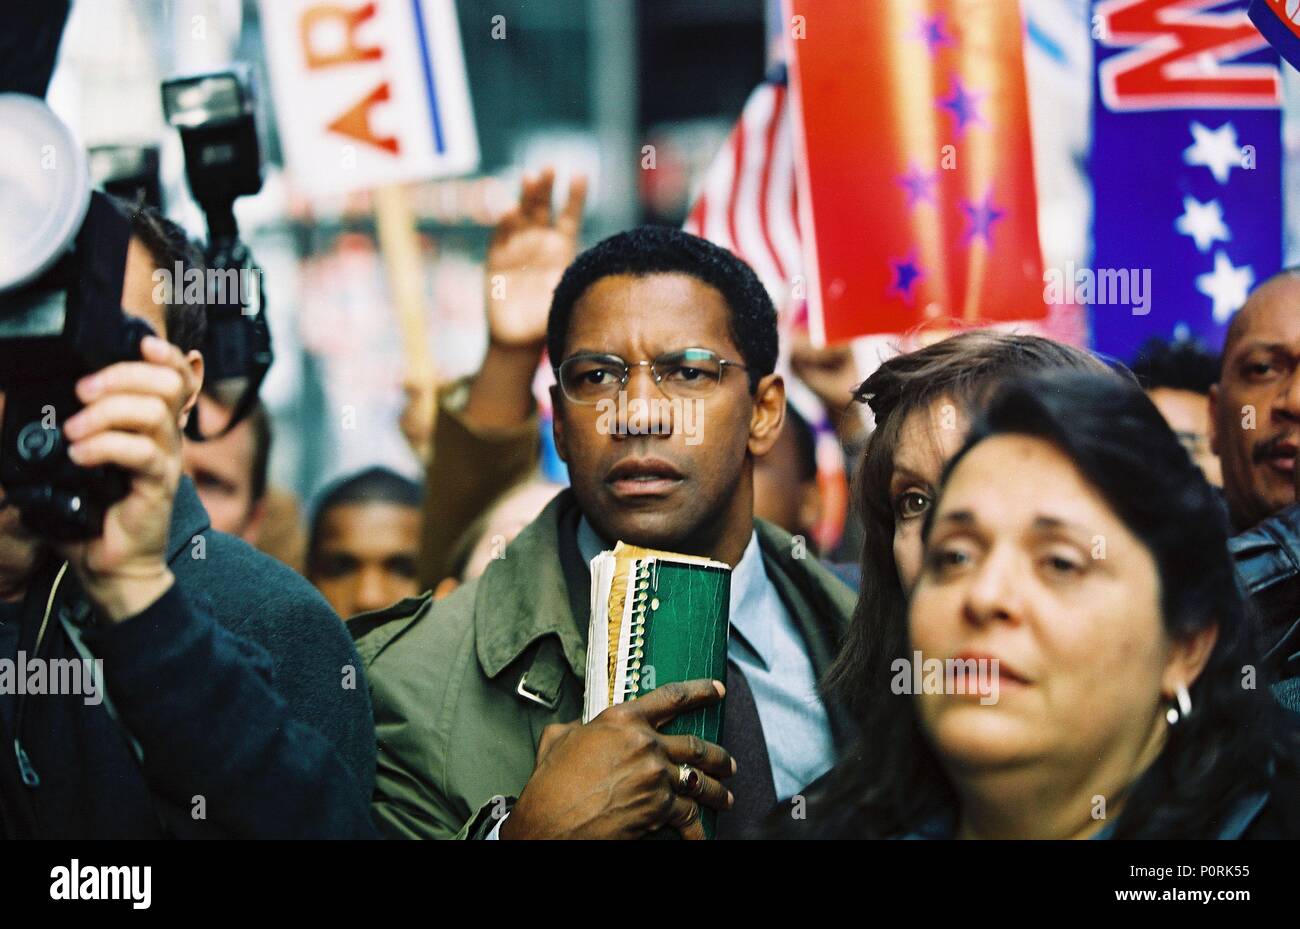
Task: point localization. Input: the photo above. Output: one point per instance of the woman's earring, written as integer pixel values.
(1184, 705)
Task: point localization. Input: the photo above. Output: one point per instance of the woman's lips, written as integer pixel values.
(1006, 675)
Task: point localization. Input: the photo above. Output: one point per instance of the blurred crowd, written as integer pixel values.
(1122, 535)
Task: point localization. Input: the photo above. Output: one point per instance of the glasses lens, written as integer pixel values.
(689, 373)
(589, 378)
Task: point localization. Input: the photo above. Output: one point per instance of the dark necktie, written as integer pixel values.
(742, 736)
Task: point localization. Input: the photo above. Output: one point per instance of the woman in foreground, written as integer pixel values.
(1078, 558)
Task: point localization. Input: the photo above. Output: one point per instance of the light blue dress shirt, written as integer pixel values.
(768, 647)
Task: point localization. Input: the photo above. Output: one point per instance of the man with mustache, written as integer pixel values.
(475, 695)
(1255, 431)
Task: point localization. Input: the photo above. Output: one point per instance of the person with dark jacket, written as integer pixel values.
(260, 735)
(1255, 431)
(164, 680)
(1079, 659)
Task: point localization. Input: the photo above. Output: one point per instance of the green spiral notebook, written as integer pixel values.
(657, 618)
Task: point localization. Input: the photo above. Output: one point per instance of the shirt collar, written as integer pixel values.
(749, 586)
(590, 544)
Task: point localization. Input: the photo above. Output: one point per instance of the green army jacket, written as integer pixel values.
(463, 687)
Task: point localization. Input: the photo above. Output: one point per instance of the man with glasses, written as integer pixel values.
(664, 347)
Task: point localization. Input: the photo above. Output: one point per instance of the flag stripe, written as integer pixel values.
(747, 201)
(773, 127)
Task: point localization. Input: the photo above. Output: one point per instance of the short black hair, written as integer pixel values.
(668, 250)
(1180, 364)
(169, 245)
(373, 485)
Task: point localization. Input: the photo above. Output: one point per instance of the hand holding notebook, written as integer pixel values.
(645, 760)
(616, 777)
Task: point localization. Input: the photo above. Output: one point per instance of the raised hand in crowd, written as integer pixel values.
(530, 248)
(832, 375)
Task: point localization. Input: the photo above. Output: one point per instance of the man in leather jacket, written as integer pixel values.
(1255, 431)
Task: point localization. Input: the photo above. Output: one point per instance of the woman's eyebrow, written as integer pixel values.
(903, 472)
(959, 517)
(1056, 524)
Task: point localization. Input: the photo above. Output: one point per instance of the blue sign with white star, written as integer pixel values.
(1186, 169)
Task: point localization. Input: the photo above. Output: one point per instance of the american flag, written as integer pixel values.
(748, 202)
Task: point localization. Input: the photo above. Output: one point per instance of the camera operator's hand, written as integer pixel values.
(618, 777)
(132, 419)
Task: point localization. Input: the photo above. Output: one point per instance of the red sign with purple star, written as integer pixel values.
(916, 176)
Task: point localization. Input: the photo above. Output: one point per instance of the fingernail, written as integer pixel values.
(74, 452)
(731, 801)
(720, 688)
(733, 766)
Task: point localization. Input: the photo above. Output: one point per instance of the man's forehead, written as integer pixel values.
(370, 524)
(230, 456)
(1270, 316)
(664, 308)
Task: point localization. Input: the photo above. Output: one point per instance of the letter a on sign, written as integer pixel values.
(381, 82)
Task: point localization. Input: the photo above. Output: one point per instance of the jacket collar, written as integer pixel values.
(542, 587)
(189, 519)
(529, 593)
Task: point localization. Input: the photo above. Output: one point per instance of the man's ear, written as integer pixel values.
(1214, 418)
(768, 416)
(194, 358)
(1187, 659)
(557, 423)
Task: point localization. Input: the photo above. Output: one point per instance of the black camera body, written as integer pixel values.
(65, 324)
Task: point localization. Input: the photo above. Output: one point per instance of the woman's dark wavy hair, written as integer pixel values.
(1213, 758)
(964, 369)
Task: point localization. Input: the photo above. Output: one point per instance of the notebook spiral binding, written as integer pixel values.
(636, 630)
